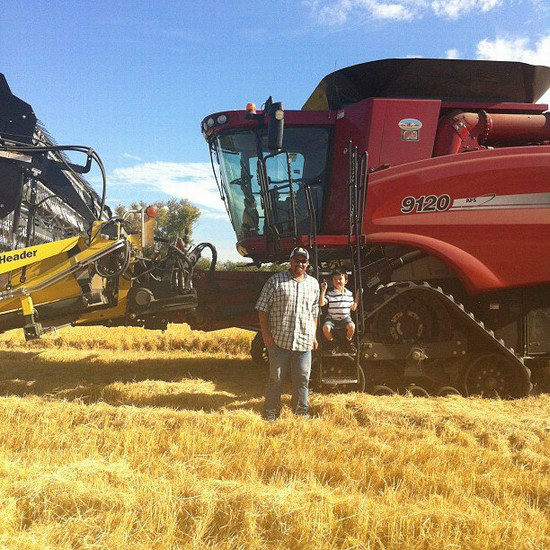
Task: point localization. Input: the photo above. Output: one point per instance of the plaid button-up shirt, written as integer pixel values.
(292, 308)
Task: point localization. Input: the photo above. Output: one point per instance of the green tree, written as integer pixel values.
(175, 218)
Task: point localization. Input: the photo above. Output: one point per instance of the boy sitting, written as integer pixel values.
(340, 305)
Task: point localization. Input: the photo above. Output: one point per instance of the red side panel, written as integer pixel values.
(485, 214)
(382, 127)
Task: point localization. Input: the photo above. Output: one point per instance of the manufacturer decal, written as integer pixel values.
(10, 257)
(410, 124)
(492, 201)
(425, 203)
(489, 201)
(410, 129)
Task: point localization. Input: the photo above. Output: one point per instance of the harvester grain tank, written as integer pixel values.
(430, 181)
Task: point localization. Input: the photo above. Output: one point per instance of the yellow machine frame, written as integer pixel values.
(57, 277)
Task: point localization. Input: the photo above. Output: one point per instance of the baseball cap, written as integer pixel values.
(299, 251)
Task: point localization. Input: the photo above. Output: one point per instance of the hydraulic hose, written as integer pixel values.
(391, 265)
(90, 153)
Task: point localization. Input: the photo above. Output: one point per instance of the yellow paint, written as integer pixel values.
(26, 305)
(15, 259)
(148, 232)
(47, 278)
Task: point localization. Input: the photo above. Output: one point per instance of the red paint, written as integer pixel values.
(482, 247)
(459, 132)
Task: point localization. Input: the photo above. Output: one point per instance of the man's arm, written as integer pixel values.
(315, 343)
(315, 311)
(322, 300)
(263, 305)
(264, 326)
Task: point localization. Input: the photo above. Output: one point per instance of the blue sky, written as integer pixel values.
(133, 79)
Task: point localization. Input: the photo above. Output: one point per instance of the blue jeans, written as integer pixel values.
(299, 363)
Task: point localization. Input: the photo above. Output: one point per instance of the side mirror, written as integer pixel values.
(275, 126)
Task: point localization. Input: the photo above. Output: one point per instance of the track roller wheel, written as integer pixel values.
(444, 391)
(382, 390)
(492, 375)
(416, 391)
(409, 319)
(258, 351)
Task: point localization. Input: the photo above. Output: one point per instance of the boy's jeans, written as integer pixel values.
(299, 363)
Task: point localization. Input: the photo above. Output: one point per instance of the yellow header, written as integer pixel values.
(15, 259)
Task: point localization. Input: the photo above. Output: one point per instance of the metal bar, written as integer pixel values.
(349, 178)
(292, 198)
(17, 213)
(312, 230)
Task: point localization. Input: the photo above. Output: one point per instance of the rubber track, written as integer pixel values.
(388, 292)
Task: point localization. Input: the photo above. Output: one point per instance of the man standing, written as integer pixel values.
(288, 308)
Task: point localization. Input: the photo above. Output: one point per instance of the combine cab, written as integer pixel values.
(429, 180)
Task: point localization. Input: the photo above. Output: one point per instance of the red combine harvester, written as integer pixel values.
(429, 180)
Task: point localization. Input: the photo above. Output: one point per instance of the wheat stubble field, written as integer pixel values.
(122, 438)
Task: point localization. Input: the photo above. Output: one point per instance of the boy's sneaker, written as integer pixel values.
(351, 347)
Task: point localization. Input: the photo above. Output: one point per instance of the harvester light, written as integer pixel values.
(204, 126)
(251, 108)
(210, 122)
(152, 211)
(222, 119)
(279, 114)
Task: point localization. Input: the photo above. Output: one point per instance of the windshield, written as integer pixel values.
(237, 154)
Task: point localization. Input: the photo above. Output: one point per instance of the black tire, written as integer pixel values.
(411, 319)
(382, 390)
(444, 391)
(493, 375)
(416, 391)
(258, 351)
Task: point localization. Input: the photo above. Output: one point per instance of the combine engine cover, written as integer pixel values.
(62, 203)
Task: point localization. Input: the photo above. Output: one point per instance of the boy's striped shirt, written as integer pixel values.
(339, 304)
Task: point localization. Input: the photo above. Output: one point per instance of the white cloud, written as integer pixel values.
(517, 49)
(391, 11)
(193, 181)
(215, 215)
(338, 12)
(131, 157)
(453, 9)
(453, 53)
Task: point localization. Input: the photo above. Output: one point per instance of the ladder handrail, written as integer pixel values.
(312, 230)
